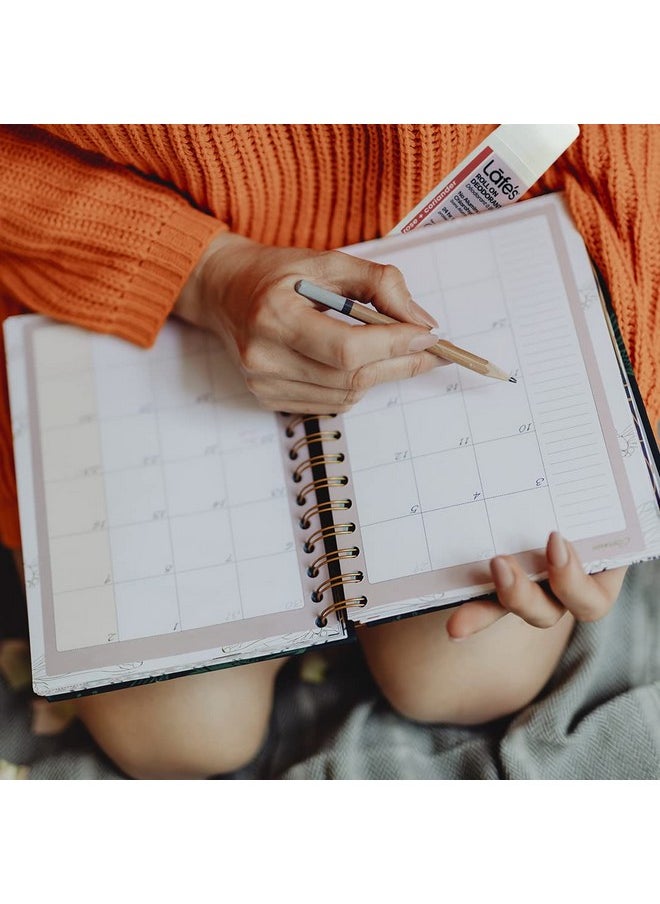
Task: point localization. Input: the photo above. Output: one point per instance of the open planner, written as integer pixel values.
(170, 525)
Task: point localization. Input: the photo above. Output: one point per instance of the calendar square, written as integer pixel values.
(458, 535)
(187, 432)
(273, 586)
(130, 442)
(61, 349)
(71, 452)
(153, 541)
(195, 486)
(67, 399)
(465, 311)
(210, 596)
(147, 608)
(465, 257)
(78, 561)
(75, 506)
(134, 496)
(498, 410)
(85, 618)
(377, 438)
(436, 424)
(407, 537)
(446, 479)
(180, 381)
(201, 540)
(385, 492)
(261, 529)
(123, 391)
(267, 480)
(522, 521)
(510, 465)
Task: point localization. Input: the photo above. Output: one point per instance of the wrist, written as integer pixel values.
(206, 277)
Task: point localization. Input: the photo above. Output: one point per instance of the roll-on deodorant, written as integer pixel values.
(497, 172)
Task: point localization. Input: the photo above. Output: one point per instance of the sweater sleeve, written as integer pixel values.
(89, 242)
(611, 178)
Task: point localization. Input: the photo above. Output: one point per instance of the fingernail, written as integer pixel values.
(421, 341)
(557, 550)
(503, 573)
(423, 316)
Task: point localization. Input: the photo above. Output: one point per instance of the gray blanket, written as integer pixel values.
(598, 718)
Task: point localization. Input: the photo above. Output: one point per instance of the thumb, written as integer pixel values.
(472, 617)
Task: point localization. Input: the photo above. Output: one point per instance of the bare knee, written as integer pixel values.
(467, 705)
(186, 728)
(428, 678)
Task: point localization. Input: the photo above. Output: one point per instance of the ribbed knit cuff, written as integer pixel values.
(161, 273)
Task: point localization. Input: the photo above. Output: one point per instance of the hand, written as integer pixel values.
(586, 597)
(294, 357)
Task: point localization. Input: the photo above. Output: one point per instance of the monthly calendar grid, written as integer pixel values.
(500, 515)
(136, 404)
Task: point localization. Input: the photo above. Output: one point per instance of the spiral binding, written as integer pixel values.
(333, 557)
(322, 483)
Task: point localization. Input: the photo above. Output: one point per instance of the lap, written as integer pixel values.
(431, 678)
(185, 727)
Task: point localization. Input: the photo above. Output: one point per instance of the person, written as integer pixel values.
(115, 228)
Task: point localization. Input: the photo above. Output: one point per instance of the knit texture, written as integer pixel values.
(100, 225)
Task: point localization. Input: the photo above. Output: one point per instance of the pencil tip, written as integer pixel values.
(512, 380)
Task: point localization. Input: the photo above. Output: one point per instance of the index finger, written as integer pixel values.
(588, 597)
(350, 346)
(382, 285)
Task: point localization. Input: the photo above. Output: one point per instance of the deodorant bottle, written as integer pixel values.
(497, 172)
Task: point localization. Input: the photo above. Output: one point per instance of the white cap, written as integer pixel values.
(537, 146)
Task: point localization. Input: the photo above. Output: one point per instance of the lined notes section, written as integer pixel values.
(577, 467)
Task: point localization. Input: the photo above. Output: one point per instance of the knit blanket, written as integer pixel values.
(598, 718)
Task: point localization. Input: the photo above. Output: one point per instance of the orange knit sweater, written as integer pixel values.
(100, 225)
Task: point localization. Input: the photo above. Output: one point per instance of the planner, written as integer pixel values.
(170, 525)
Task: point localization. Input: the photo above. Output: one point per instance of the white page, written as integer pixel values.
(155, 507)
(452, 468)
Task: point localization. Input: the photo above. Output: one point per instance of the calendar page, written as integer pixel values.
(155, 516)
(452, 468)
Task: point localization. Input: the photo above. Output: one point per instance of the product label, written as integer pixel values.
(485, 183)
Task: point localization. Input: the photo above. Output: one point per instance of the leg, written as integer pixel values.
(429, 678)
(190, 727)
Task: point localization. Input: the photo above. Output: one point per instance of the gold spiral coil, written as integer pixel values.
(333, 505)
(358, 602)
(327, 459)
(303, 419)
(324, 532)
(323, 436)
(349, 552)
(354, 577)
(321, 483)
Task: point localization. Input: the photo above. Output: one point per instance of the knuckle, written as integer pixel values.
(349, 356)
(361, 380)
(253, 383)
(251, 360)
(390, 278)
(351, 397)
(418, 364)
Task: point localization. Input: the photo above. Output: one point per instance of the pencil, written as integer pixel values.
(358, 311)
